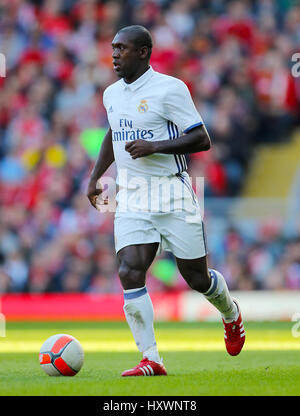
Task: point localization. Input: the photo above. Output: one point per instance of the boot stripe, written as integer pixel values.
(146, 371)
(150, 368)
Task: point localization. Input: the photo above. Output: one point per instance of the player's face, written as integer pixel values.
(126, 57)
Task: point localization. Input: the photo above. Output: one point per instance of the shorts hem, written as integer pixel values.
(189, 257)
(117, 249)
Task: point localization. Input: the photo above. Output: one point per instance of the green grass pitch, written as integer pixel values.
(194, 355)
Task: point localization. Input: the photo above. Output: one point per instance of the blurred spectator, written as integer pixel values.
(286, 273)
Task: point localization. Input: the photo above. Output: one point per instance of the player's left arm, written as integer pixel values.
(196, 140)
(178, 109)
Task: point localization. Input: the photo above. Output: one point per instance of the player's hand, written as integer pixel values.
(140, 148)
(94, 192)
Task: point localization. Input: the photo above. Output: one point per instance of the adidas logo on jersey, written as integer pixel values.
(110, 109)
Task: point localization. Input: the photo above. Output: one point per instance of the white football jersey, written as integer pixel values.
(154, 107)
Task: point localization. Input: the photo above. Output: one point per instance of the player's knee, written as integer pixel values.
(131, 277)
(199, 282)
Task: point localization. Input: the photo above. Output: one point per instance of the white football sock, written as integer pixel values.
(139, 314)
(218, 295)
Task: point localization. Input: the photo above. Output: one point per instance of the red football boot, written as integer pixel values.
(146, 368)
(234, 334)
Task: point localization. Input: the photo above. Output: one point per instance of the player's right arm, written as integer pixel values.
(105, 159)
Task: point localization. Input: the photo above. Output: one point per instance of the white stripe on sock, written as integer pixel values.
(133, 290)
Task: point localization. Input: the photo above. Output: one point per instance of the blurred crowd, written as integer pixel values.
(267, 258)
(235, 57)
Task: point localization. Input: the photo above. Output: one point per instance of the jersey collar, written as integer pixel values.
(140, 81)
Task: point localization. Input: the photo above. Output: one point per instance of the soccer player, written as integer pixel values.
(153, 124)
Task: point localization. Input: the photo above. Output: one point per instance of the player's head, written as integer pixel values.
(132, 47)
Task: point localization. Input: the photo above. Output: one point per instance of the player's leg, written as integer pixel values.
(184, 236)
(212, 285)
(134, 261)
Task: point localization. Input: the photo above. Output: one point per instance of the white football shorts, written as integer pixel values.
(179, 230)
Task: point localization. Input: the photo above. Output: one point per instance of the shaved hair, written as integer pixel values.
(139, 36)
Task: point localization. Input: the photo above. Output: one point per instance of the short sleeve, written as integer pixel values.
(104, 99)
(180, 108)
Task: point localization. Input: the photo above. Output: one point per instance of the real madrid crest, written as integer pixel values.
(143, 107)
